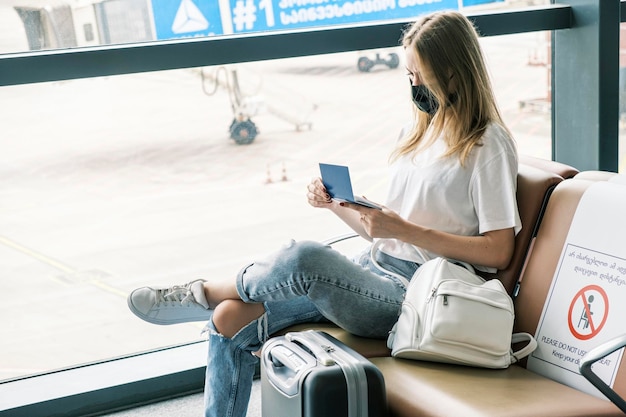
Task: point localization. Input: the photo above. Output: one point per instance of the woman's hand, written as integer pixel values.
(317, 196)
(383, 223)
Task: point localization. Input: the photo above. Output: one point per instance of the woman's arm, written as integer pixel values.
(493, 249)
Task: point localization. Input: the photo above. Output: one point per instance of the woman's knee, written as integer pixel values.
(302, 255)
(230, 316)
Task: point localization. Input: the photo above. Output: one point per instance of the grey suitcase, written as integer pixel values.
(312, 374)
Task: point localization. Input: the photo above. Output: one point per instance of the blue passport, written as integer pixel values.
(336, 179)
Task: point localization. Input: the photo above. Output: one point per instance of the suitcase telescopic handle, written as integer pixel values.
(318, 351)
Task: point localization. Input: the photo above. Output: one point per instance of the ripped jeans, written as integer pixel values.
(303, 282)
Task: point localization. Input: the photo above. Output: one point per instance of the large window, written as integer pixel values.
(116, 182)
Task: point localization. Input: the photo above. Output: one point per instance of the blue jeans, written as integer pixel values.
(303, 282)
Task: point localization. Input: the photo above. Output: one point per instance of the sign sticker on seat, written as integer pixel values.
(588, 312)
(586, 304)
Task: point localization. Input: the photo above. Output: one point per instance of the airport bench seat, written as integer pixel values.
(428, 389)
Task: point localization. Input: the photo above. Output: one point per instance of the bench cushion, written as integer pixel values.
(416, 389)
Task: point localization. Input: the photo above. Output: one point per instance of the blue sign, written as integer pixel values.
(186, 18)
(190, 18)
(476, 2)
(265, 15)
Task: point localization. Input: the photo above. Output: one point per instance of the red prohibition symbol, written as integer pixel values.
(588, 321)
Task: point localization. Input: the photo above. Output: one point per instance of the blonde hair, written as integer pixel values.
(447, 46)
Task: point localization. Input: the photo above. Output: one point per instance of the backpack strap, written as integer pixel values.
(526, 350)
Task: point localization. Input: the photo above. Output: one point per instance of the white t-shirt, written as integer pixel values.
(438, 193)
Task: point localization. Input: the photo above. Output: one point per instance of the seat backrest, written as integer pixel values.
(534, 186)
(563, 170)
(595, 175)
(545, 257)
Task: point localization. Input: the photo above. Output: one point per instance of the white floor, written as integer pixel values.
(189, 406)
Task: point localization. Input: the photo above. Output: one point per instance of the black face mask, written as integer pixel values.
(424, 99)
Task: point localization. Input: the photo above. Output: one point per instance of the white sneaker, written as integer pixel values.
(177, 304)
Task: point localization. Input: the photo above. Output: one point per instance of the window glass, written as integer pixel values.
(520, 70)
(161, 178)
